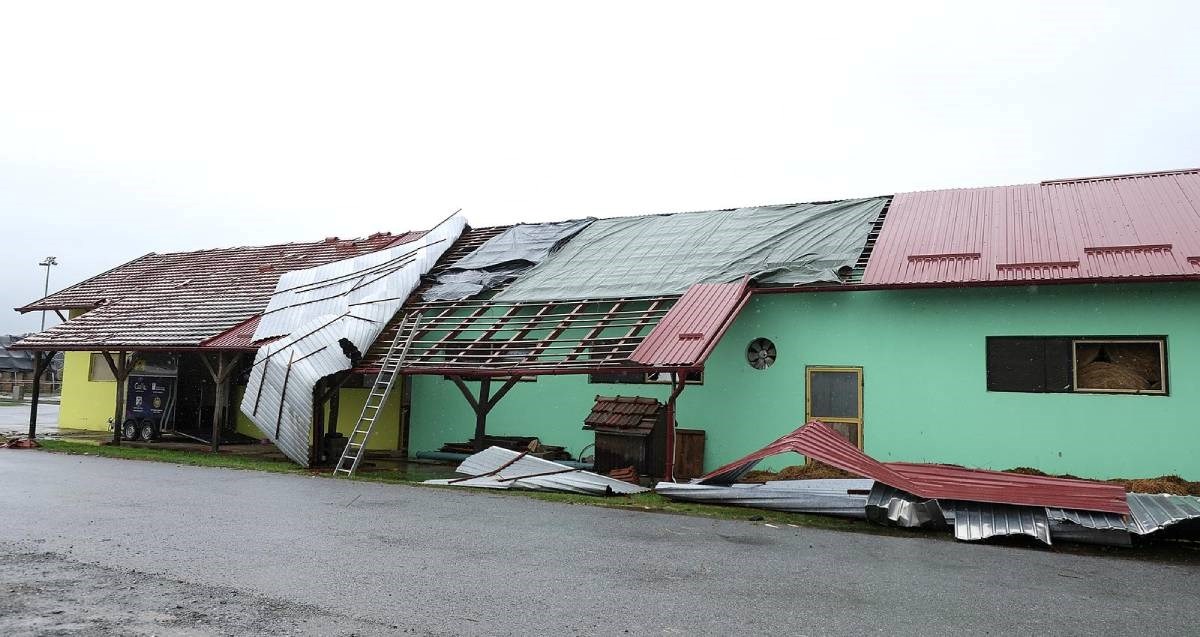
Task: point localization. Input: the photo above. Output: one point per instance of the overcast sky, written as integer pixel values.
(158, 127)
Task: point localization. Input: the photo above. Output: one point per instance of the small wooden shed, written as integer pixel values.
(630, 431)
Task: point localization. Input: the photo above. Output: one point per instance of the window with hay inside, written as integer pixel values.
(1082, 364)
(1136, 366)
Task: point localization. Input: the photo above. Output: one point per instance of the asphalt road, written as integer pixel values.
(332, 556)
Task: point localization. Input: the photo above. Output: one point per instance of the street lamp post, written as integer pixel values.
(47, 263)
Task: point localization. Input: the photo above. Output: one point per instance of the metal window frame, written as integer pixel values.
(1160, 341)
(808, 415)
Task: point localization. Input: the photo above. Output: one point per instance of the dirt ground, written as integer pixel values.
(48, 594)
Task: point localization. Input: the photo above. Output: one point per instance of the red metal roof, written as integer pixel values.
(1103, 228)
(625, 413)
(687, 334)
(820, 442)
(238, 337)
(180, 300)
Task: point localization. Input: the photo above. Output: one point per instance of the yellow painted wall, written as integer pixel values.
(85, 404)
(89, 405)
(385, 434)
(242, 424)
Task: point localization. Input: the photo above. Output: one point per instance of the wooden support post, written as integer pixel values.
(41, 361)
(120, 371)
(484, 404)
(334, 405)
(318, 424)
(481, 412)
(221, 375)
(405, 415)
(678, 382)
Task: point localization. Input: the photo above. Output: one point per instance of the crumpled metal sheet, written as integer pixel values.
(495, 467)
(1152, 513)
(890, 506)
(982, 520)
(502, 258)
(1175, 515)
(666, 254)
(818, 441)
(840, 497)
(316, 309)
(1090, 519)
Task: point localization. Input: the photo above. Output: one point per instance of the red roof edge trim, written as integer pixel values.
(820, 442)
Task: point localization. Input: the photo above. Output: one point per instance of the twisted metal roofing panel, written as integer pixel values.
(975, 521)
(819, 441)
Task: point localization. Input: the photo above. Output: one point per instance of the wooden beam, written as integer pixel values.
(508, 384)
(220, 376)
(466, 392)
(481, 412)
(318, 424)
(41, 360)
(678, 383)
(120, 371)
(405, 414)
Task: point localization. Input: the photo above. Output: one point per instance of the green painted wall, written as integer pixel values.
(923, 354)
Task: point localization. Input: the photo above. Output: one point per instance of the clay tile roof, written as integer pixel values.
(180, 300)
(623, 413)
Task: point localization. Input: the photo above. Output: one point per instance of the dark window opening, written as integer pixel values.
(1060, 364)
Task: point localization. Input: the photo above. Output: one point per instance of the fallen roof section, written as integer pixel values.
(820, 442)
(840, 497)
(500, 468)
(320, 313)
(1143, 226)
(666, 254)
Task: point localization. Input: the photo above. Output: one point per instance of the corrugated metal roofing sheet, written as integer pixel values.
(179, 300)
(975, 521)
(689, 331)
(1155, 512)
(355, 300)
(524, 471)
(820, 442)
(841, 497)
(1132, 226)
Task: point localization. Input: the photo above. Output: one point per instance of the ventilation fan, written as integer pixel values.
(760, 353)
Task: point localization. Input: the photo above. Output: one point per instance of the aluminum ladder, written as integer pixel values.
(389, 371)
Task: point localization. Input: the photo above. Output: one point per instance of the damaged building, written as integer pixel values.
(1048, 325)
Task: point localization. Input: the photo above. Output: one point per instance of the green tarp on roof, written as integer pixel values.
(666, 254)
